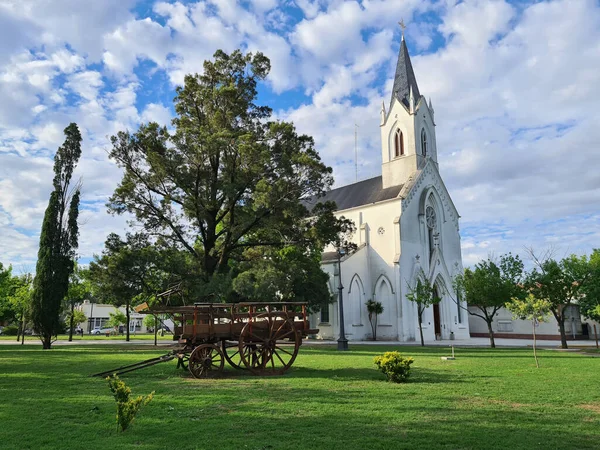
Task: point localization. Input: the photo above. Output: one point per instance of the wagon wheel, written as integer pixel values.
(261, 348)
(231, 352)
(206, 360)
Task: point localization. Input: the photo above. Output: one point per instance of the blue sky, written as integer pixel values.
(515, 87)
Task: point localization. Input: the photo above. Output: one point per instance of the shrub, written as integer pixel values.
(394, 366)
(127, 408)
(10, 330)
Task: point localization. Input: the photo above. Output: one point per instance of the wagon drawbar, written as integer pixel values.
(263, 338)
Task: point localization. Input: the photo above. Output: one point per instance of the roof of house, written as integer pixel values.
(404, 78)
(357, 194)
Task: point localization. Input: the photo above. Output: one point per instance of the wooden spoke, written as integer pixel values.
(206, 360)
(267, 357)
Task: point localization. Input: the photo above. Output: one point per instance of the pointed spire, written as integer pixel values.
(431, 109)
(411, 100)
(383, 113)
(404, 79)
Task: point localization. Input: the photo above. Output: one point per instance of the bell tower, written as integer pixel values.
(407, 126)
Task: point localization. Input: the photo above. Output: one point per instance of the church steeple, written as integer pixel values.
(404, 78)
(407, 126)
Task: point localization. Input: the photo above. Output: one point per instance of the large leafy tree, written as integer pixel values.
(225, 181)
(561, 283)
(489, 286)
(126, 273)
(58, 240)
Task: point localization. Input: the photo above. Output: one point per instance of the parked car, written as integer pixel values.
(107, 331)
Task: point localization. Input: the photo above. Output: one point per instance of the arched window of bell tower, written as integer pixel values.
(398, 143)
(423, 142)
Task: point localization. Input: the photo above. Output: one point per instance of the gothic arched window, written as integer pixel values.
(423, 142)
(398, 144)
(431, 221)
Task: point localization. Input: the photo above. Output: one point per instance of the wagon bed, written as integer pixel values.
(263, 338)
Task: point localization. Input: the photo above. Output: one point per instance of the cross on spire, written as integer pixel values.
(402, 26)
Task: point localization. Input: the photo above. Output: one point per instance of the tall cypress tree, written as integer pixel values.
(58, 240)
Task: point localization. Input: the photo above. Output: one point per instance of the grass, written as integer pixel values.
(493, 399)
(96, 337)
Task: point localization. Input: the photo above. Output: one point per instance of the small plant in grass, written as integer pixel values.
(374, 308)
(127, 407)
(395, 366)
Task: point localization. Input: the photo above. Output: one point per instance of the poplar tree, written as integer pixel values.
(58, 240)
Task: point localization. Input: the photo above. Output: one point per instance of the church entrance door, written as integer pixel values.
(436, 321)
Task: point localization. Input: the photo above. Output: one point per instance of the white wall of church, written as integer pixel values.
(447, 264)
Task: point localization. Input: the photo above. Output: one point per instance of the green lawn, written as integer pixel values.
(95, 337)
(485, 399)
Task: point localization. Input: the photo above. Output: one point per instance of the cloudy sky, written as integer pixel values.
(515, 87)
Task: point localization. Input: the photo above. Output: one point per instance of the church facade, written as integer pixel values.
(406, 227)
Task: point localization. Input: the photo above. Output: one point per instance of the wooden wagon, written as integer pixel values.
(263, 338)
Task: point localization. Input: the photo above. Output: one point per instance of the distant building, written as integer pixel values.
(504, 326)
(407, 226)
(98, 315)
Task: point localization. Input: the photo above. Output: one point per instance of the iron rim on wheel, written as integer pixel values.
(206, 360)
(269, 345)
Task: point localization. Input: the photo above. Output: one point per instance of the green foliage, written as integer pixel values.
(58, 241)
(6, 282)
(589, 302)
(127, 407)
(286, 274)
(117, 318)
(529, 308)
(78, 317)
(10, 330)
(394, 366)
(561, 283)
(223, 190)
(488, 286)
(374, 308)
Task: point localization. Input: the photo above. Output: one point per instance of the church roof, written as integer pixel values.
(361, 193)
(404, 78)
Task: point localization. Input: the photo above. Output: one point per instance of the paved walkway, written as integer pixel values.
(472, 342)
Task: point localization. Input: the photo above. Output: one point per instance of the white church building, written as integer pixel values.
(407, 226)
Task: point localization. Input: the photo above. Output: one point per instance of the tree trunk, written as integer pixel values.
(563, 335)
(491, 333)
(71, 323)
(22, 329)
(155, 329)
(128, 318)
(534, 344)
(375, 329)
(421, 328)
(46, 342)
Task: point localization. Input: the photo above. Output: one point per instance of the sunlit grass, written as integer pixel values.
(493, 399)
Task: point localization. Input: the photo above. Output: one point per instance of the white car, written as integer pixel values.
(99, 330)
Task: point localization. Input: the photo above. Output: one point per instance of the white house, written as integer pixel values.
(407, 225)
(98, 315)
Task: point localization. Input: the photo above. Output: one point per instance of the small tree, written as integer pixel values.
(489, 286)
(374, 308)
(116, 319)
(561, 283)
(78, 290)
(20, 301)
(530, 308)
(127, 407)
(424, 295)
